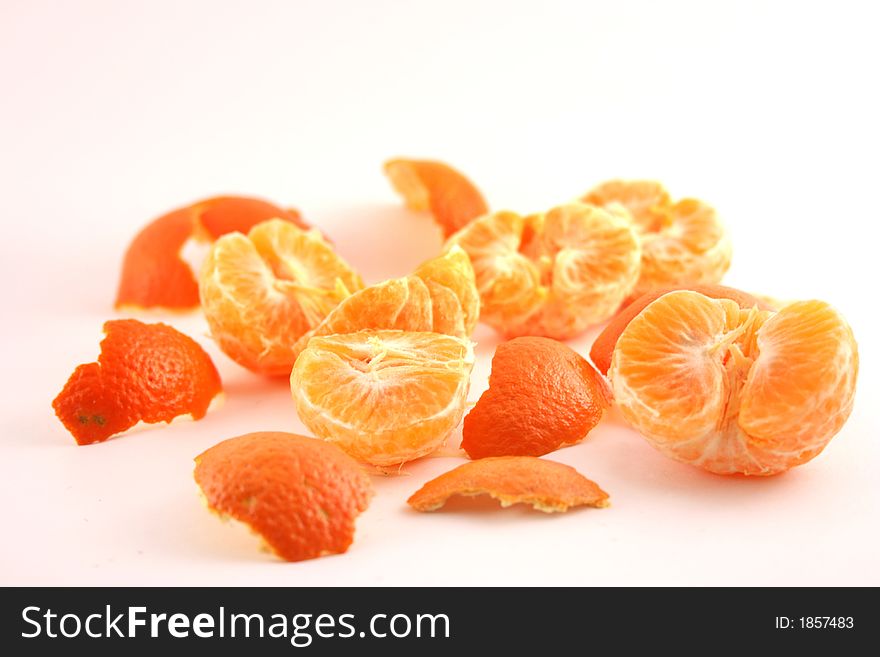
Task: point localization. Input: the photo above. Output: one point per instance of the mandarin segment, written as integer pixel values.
(301, 495)
(806, 380)
(153, 272)
(429, 185)
(385, 397)
(262, 292)
(732, 389)
(441, 297)
(603, 346)
(449, 276)
(545, 485)
(399, 303)
(145, 372)
(552, 274)
(542, 396)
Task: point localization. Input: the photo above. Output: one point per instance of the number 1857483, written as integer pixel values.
(815, 622)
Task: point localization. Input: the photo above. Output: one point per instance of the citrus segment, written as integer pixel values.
(428, 185)
(553, 274)
(546, 485)
(301, 495)
(603, 346)
(263, 291)
(441, 297)
(399, 303)
(806, 342)
(145, 372)
(733, 389)
(542, 396)
(385, 397)
(454, 272)
(153, 272)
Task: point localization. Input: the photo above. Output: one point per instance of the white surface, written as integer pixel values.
(114, 112)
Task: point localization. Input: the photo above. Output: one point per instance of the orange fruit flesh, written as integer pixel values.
(153, 272)
(429, 185)
(301, 495)
(546, 485)
(692, 248)
(683, 243)
(646, 201)
(542, 396)
(145, 373)
(441, 297)
(452, 283)
(263, 291)
(735, 390)
(385, 397)
(553, 274)
(603, 346)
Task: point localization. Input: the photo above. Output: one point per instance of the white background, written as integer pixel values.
(114, 112)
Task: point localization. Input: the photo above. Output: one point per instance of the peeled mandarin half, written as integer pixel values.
(440, 297)
(300, 495)
(385, 397)
(153, 272)
(732, 389)
(683, 243)
(552, 274)
(430, 185)
(262, 291)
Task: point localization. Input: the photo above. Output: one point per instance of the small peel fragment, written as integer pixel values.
(146, 373)
(547, 486)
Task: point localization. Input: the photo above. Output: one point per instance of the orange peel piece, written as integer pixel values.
(153, 272)
(146, 372)
(546, 485)
(542, 395)
(299, 494)
(430, 185)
